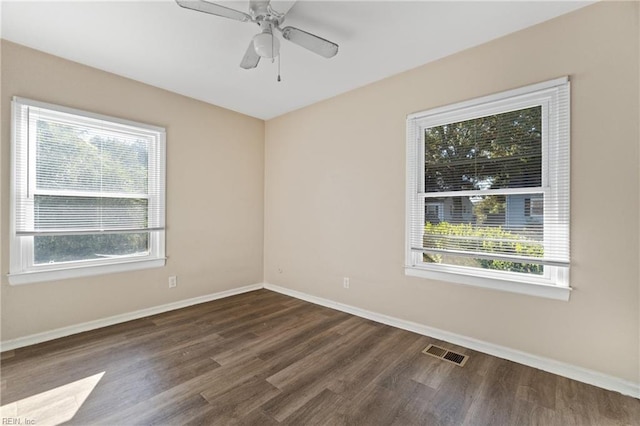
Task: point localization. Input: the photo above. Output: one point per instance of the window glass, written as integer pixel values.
(492, 152)
(72, 248)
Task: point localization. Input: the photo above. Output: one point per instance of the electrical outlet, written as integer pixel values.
(345, 282)
(173, 281)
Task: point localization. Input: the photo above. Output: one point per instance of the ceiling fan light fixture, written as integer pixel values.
(266, 45)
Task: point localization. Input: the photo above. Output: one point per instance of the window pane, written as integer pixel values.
(536, 206)
(484, 224)
(83, 158)
(68, 248)
(53, 212)
(492, 152)
(496, 265)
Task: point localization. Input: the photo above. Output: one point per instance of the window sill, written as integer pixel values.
(83, 271)
(540, 290)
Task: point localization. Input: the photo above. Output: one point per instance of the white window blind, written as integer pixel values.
(81, 177)
(498, 167)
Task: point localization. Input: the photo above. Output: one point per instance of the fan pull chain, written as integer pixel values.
(279, 67)
(272, 52)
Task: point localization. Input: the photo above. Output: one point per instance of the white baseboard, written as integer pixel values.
(116, 319)
(580, 374)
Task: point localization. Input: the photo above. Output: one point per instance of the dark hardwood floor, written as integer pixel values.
(262, 358)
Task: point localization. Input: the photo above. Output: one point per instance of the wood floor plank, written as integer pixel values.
(431, 372)
(319, 410)
(455, 395)
(538, 387)
(265, 341)
(262, 358)
(269, 319)
(142, 381)
(305, 338)
(418, 408)
(527, 413)
(495, 398)
(388, 347)
(163, 401)
(230, 402)
(322, 359)
(4, 356)
(306, 378)
(404, 365)
(374, 404)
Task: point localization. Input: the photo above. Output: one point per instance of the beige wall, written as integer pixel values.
(215, 174)
(335, 193)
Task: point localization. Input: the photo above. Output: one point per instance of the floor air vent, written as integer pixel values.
(446, 355)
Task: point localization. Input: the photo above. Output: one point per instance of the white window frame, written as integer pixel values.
(22, 269)
(554, 283)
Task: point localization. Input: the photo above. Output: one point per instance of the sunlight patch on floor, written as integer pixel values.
(52, 407)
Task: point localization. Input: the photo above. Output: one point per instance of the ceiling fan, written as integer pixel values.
(265, 44)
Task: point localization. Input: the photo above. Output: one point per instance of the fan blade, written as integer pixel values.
(214, 9)
(250, 59)
(311, 42)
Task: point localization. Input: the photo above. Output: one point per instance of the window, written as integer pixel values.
(498, 168)
(433, 211)
(533, 207)
(87, 194)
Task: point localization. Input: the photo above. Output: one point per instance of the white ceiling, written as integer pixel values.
(198, 55)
